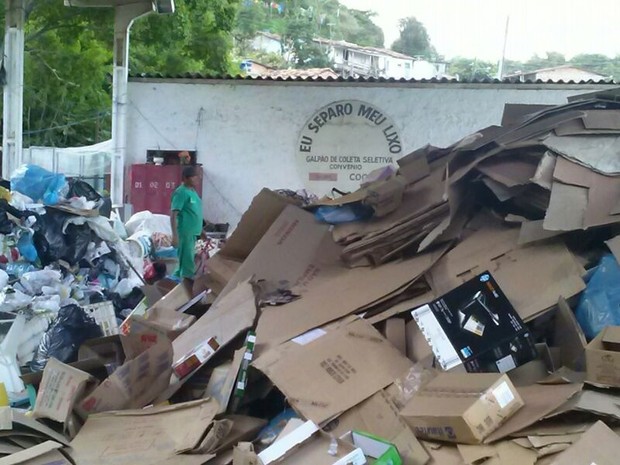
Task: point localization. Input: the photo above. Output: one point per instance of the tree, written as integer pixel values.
(67, 61)
(414, 40)
(472, 69)
(299, 38)
(196, 38)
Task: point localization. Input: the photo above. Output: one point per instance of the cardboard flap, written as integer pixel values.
(135, 384)
(61, 387)
(599, 445)
(143, 435)
(42, 454)
(336, 371)
(540, 401)
(254, 223)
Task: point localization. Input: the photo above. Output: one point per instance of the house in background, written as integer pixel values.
(267, 42)
(564, 73)
(352, 60)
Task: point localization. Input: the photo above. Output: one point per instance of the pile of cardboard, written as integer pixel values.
(440, 331)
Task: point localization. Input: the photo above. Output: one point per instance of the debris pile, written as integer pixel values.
(459, 310)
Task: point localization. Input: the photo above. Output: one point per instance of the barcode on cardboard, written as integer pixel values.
(503, 395)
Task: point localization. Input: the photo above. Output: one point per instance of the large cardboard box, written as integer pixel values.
(462, 407)
(602, 360)
(476, 326)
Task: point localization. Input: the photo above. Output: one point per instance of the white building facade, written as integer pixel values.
(250, 134)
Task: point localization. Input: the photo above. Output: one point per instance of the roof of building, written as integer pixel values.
(554, 68)
(292, 76)
(369, 50)
(269, 35)
(301, 74)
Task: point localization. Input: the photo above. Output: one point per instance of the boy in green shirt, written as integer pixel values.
(186, 222)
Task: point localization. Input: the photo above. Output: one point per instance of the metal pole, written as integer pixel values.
(500, 71)
(12, 128)
(124, 17)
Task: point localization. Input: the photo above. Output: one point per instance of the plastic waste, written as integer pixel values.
(12, 300)
(39, 184)
(344, 213)
(34, 281)
(71, 328)
(599, 305)
(9, 369)
(18, 269)
(4, 279)
(79, 188)
(26, 247)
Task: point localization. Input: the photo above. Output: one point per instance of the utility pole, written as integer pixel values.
(12, 127)
(500, 70)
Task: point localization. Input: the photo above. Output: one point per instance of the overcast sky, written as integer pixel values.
(475, 28)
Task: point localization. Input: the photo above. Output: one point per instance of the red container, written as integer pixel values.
(150, 187)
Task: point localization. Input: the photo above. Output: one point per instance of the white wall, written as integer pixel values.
(246, 133)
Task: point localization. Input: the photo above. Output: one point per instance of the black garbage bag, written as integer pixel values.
(71, 328)
(79, 188)
(129, 302)
(49, 240)
(77, 239)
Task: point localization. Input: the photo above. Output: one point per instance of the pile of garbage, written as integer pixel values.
(461, 309)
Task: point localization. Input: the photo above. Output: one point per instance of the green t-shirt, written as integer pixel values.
(187, 202)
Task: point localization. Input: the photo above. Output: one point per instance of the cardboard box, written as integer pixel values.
(306, 445)
(61, 387)
(602, 362)
(540, 401)
(382, 451)
(476, 326)
(462, 408)
(598, 446)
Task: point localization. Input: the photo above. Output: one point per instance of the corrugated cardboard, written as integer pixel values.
(443, 453)
(135, 384)
(569, 337)
(244, 428)
(227, 317)
(502, 453)
(532, 277)
(602, 365)
(462, 408)
(222, 380)
(603, 404)
(598, 446)
(143, 436)
(395, 333)
(614, 246)
(296, 246)
(61, 387)
(540, 401)
(164, 312)
(32, 426)
(43, 454)
(418, 348)
(339, 293)
(258, 218)
(335, 372)
(601, 196)
(378, 415)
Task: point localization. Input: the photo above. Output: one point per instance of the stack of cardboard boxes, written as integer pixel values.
(440, 331)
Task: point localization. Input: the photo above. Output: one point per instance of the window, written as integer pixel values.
(407, 65)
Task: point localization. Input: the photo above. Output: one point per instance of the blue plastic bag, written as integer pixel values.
(599, 305)
(343, 213)
(26, 247)
(39, 184)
